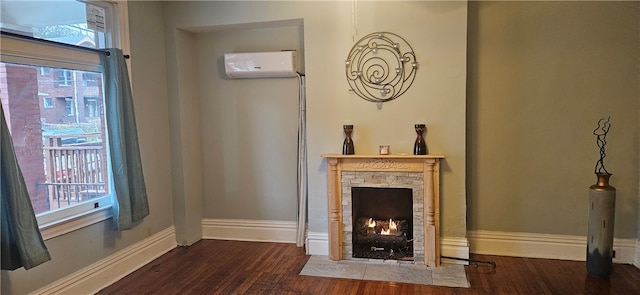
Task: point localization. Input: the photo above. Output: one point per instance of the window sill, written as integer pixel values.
(75, 222)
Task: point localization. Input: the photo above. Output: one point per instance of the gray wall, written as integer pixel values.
(78, 249)
(540, 76)
(437, 33)
(249, 127)
(184, 121)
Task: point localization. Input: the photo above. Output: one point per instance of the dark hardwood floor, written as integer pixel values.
(232, 267)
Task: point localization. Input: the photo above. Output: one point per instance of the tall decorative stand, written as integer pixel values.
(602, 206)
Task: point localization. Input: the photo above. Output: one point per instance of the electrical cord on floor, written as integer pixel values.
(493, 264)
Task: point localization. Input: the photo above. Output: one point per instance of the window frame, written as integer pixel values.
(93, 111)
(59, 222)
(65, 77)
(45, 71)
(88, 80)
(68, 105)
(47, 102)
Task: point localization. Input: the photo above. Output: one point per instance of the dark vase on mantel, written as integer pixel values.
(347, 146)
(420, 147)
(602, 205)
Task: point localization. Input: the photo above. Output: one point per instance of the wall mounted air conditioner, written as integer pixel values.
(276, 64)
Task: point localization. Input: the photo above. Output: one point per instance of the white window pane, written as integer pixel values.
(59, 139)
(65, 21)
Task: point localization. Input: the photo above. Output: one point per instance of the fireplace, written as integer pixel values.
(416, 175)
(385, 185)
(382, 223)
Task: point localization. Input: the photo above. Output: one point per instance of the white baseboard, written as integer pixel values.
(544, 246)
(318, 244)
(250, 230)
(456, 248)
(636, 261)
(105, 272)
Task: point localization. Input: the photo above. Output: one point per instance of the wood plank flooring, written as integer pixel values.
(233, 267)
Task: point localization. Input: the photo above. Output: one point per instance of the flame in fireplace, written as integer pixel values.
(371, 223)
(393, 227)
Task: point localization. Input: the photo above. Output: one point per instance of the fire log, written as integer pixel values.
(382, 240)
(364, 234)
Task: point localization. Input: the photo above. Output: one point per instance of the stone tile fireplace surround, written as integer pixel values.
(420, 173)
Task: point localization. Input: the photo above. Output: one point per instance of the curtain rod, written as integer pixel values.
(49, 42)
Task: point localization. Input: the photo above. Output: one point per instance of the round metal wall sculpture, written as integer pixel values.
(381, 66)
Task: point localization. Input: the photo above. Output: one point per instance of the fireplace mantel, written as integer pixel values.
(429, 165)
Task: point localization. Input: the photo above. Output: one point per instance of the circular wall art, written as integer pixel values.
(380, 67)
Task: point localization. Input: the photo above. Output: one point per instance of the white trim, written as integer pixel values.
(454, 247)
(22, 51)
(124, 41)
(249, 230)
(317, 243)
(105, 272)
(122, 19)
(636, 261)
(67, 225)
(548, 246)
(56, 216)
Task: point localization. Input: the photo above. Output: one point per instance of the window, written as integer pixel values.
(45, 71)
(63, 152)
(68, 105)
(91, 107)
(64, 77)
(64, 21)
(89, 79)
(47, 103)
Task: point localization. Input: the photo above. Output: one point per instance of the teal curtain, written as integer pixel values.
(130, 202)
(22, 244)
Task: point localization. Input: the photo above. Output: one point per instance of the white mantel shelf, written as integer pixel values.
(429, 165)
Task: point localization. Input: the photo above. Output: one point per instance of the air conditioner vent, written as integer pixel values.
(276, 64)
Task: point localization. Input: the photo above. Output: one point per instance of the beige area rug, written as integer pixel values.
(452, 275)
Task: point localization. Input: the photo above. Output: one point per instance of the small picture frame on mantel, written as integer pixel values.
(384, 150)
